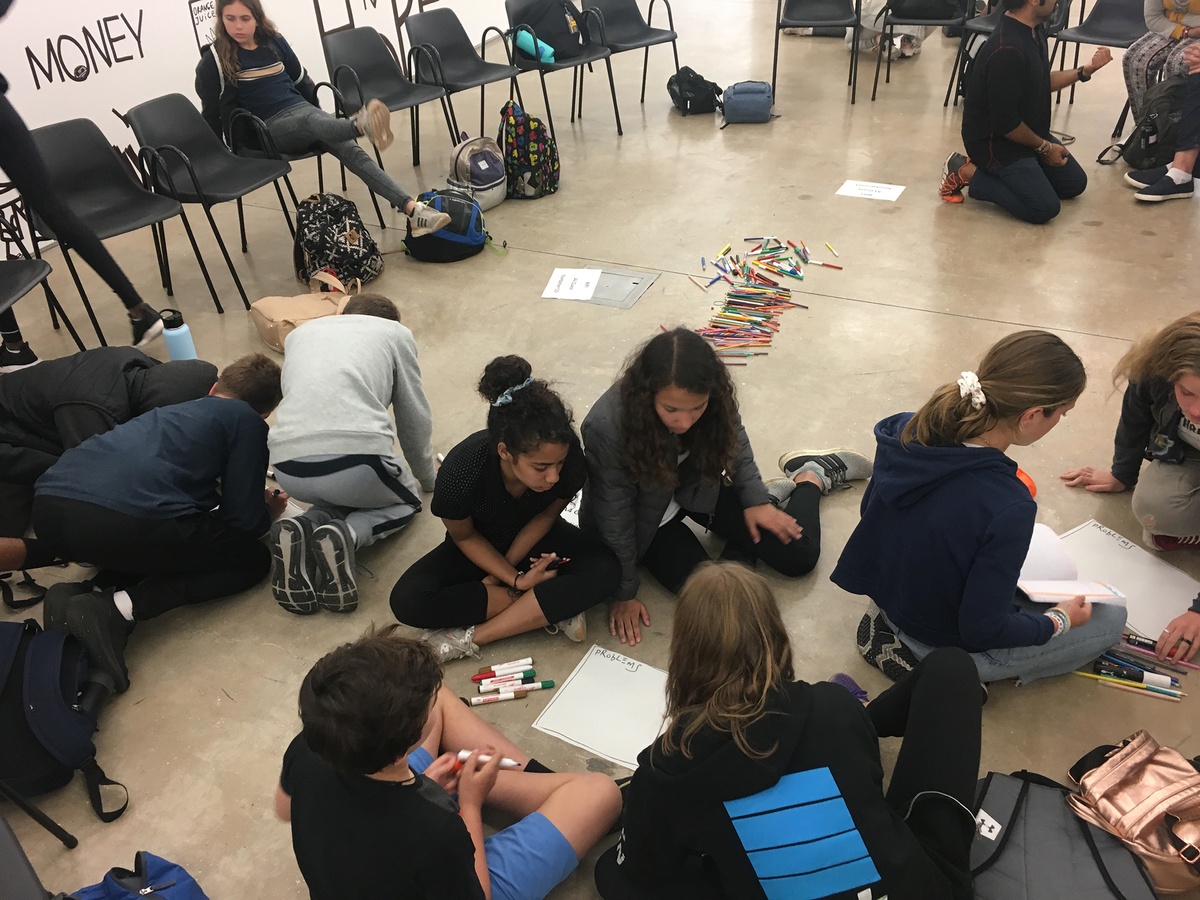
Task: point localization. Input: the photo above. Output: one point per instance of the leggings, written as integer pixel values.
(675, 551)
(444, 589)
(26, 170)
(1149, 54)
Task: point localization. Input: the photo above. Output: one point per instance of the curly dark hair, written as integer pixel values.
(532, 414)
(685, 360)
(364, 705)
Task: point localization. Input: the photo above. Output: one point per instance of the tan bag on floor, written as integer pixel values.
(277, 317)
(1149, 797)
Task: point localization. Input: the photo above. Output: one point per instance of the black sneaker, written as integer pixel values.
(14, 358)
(1166, 189)
(58, 599)
(880, 647)
(147, 327)
(838, 467)
(1143, 178)
(95, 621)
(291, 566)
(333, 550)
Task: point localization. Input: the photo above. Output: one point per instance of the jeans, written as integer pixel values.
(1166, 499)
(1189, 120)
(1059, 655)
(299, 127)
(1028, 188)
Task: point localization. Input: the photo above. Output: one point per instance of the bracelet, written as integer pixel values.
(517, 578)
(1062, 622)
(1044, 148)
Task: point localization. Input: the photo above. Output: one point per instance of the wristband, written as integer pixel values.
(1083, 76)
(1062, 622)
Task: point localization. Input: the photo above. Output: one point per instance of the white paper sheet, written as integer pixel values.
(572, 284)
(871, 190)
(1058, 591)
(611, 705)
(1157, 592)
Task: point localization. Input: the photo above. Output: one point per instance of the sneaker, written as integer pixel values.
(452, 643)
(837, 468)
(14, 358)
(426, 220)
(851, 685)
(1166, 189)
(797, 32)
(375, 122)
(574, 628)
(880, 647)
(94, 620)
(1143, 178)
(780, 490)
(333, 550)
(57, 601)
(951, 189)
(907, 46)
(1166, 542)
(147, 327)
(291, 566)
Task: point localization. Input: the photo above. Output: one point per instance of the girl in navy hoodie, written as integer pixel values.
(767, 786)
(946, 525)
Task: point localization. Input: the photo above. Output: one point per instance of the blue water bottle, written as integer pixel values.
(177, 335)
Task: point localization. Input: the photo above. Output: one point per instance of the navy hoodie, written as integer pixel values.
(939, 548)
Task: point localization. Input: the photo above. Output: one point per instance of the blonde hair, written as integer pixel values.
(1023, 371)
(1170, 353)
(729, 651)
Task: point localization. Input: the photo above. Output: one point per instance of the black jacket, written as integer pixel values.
(826, 796)
(1148, 429)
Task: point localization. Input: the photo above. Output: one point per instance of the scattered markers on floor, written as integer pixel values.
(512, 680)
(746, 320)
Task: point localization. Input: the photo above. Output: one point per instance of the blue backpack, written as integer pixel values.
(47, 736)
(152, 876)
(464, 236)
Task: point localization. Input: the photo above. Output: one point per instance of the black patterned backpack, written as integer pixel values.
(331, 236)
(530, 154)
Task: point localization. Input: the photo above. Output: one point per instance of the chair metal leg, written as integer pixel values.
(321, 174)
(1074, 65)
(516, 86)
(83, 295)
(546, 97)
(886, 47)
(576, 91)
(645, 72)
(287, 216)
(67, 839)
(1119, 129)
(854, 57)
(155, 233)
(775, 65)
(378, 211)
(878, 64)
(449, 124)
(225, 253)
(414, 121)
(612, 86)
(187, 226)
(242, 225)
(50, 306)
(482, 102)
(57, 312)
(166, 261)
(956, 72)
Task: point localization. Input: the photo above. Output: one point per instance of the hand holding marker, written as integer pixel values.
(484, 759)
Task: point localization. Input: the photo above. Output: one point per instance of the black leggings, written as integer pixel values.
(23, 165)
(444, 589)
(675, 551)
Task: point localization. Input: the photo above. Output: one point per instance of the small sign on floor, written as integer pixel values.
(871, 190)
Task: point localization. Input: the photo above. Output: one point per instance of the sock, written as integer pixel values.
(815, 467)
(1178, 175)
(124, 605)
(534, 766)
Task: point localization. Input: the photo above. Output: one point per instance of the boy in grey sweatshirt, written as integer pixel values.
(332, 446)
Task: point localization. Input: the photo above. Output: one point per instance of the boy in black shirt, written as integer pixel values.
(373, 807)
(1013, 160)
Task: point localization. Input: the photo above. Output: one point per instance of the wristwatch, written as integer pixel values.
(1083, 76)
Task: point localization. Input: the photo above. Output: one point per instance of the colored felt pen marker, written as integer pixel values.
(831, 250)
(505, 762)
(515, 676)
(1125, 673)
(523, 661)
(505, 684)
(501, 696)
(703, 264)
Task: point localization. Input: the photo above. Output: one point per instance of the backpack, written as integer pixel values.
(477, 168)
(47, 733)
(747, 102)
(556, 22)
(691, 93)
(1030, 846)
(151, 876)
(330, 234)
(1152, 143)
(463, 237)
(530, 154)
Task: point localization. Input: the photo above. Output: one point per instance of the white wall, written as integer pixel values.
(82, 58)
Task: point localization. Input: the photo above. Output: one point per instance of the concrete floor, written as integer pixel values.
(926, 288)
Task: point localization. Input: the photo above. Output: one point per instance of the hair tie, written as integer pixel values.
(968, 385)
(507, 397)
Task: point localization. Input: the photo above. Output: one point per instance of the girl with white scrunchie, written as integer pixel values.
(947, 523)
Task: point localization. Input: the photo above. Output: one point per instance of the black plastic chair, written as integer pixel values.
(593, 49)
(20, 881)
(892, 19)
(20, 276)
(1111, 23)
(199, 167)
(452, 62)
(97, 186)
(820, 14)
(364, 68)
(625, 29)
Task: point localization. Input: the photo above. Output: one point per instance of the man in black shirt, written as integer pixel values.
(1012, 160)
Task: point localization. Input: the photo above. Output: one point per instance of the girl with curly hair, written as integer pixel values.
(509, 563)
(666, 443)
(1160, 422)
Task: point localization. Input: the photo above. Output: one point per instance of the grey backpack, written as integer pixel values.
(1030, 845)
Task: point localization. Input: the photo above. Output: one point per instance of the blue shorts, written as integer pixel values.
(526, 860)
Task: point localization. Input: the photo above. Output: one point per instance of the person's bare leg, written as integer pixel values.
(12, 554)
(1185, 160)
(454, 726)
(519, 616)
(583, 810)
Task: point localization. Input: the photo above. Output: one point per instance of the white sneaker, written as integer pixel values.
(375, 122)
(452, 643)
(426, 220)
(574, 628)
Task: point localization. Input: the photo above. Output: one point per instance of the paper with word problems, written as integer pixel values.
(611, 706)
(572, 284)
(1156, 591)
(871, 190)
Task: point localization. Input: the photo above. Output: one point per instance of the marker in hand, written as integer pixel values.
(464, 755)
